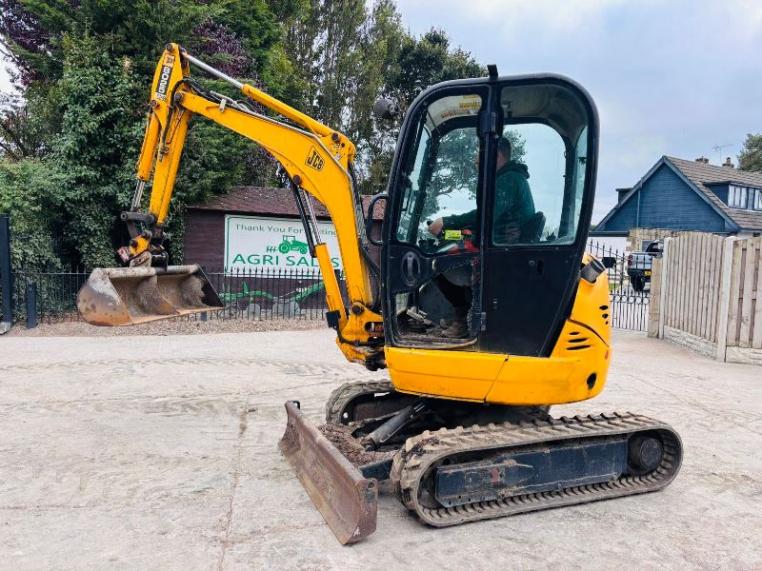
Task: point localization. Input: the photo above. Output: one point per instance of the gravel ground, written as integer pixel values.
(160, 452)
(167, 327)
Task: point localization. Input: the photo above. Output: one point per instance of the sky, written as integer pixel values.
(669, 77)
(677, 77)
(5, 81)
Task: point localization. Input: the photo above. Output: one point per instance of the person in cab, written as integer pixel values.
(514, 209)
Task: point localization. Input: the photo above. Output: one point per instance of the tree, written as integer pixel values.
(26, 188)
(428, 60)
(412, 66)
(98, 145)
(34, 30)
(381, 45)
(85, 69)
(95, 149)
(24, 127)
(750, 158)
(346, 54)
(323, 41)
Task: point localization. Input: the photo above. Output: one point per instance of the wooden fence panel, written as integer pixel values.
(714, 277)
(689, 284)
(734, 318)
(694, 269)
(744, 328)
(681, 271)
(701, 293)
(755, 335)
(744, 325)
(706, 306)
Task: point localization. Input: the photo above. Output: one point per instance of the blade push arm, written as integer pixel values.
(316, 158)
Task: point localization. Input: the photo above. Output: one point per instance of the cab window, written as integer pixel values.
(442, 172)
(540, 170)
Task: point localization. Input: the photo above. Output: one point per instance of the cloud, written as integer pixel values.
(552, 15)
(675, 77)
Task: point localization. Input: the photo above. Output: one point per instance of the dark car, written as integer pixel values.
(639, 264)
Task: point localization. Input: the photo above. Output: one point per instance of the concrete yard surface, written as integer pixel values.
(161, 453)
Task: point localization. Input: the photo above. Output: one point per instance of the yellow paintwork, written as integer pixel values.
(318, 159)
(461, 375)
(148, 150)
(316, 156)
(516, 380)
(592, 303)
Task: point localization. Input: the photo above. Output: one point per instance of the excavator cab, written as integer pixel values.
(504, 171)
(508, 169)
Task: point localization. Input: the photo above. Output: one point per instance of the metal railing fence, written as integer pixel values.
(257, 294)
(295, 293)
(629, 302)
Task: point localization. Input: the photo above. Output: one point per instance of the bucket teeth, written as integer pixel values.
(126, 296)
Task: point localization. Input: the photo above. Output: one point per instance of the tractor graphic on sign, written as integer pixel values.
(291, 244)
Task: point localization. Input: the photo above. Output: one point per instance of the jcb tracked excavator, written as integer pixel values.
(484, 309)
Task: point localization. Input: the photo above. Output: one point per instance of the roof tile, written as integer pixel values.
(269, 201)
(701, 174)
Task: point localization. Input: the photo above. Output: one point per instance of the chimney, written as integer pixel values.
(621, 193)
(703, 160)
(728, 163)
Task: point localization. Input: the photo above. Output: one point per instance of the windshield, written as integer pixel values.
(536, 185)
(441, 174)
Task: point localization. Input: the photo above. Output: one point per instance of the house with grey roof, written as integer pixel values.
(678, 194)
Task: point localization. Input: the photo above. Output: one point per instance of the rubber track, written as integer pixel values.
(343, 395)
(421, 452)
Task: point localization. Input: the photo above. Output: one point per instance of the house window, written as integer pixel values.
(737, 196)
(758, 199)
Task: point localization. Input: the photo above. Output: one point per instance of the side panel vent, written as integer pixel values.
(577, 341)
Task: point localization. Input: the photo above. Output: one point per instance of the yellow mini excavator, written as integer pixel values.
(484, 308)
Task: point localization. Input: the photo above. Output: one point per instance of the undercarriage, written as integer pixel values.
(452, 462)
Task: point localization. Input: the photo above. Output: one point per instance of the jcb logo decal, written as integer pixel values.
(166, 72)
(161, 89)
(314, 160)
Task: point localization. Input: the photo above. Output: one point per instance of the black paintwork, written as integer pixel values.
(520, 472)
(6, 278)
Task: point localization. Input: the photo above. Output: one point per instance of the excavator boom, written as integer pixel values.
(318, 161)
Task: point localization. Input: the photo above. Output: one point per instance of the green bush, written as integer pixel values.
(25, 190)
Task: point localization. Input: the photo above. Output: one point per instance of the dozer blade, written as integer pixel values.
(127, 296)
(346, 500)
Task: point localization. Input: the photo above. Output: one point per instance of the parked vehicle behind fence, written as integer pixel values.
(639, 264)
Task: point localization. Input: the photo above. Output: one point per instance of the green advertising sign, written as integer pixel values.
(273, 243)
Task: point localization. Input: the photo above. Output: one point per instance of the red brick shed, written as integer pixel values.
(204, 236)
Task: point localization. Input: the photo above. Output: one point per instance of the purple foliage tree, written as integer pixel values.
(224, 48)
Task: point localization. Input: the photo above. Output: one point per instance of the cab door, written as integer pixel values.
(537, 212)
(432, 278)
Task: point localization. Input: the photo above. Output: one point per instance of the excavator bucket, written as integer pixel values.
(127, 296)
(346, 500)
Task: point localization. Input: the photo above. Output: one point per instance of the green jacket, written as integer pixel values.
(513, 202)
